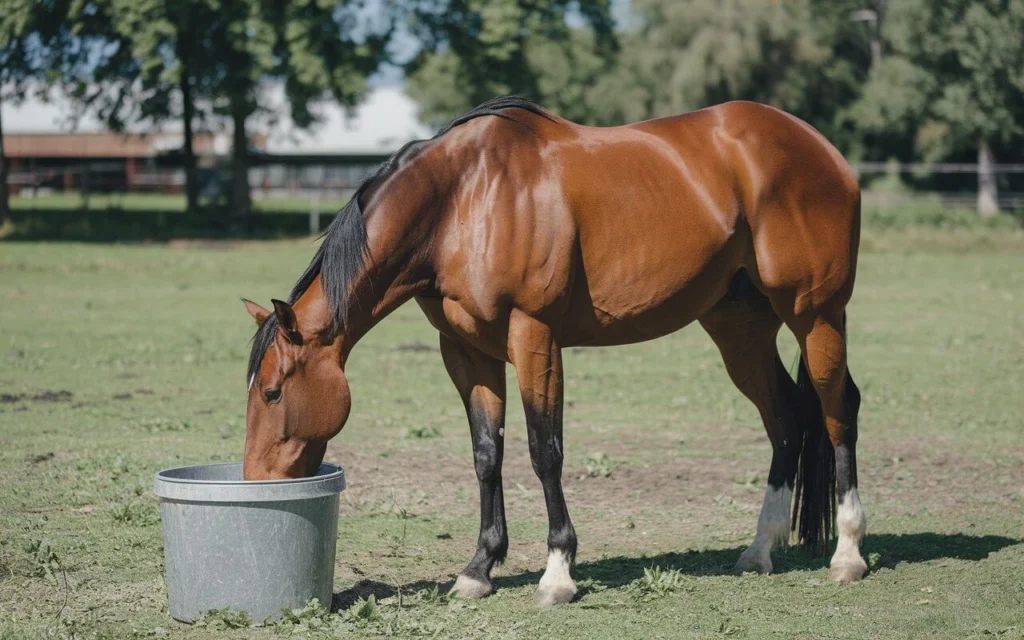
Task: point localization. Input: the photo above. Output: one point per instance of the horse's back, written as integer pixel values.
(776, 182)
(623, 234)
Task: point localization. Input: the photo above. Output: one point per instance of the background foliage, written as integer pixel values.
(929, 80)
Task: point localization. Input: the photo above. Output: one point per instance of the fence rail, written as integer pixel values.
(931, 167)
(326, 182)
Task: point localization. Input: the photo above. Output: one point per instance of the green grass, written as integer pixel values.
(664, 471)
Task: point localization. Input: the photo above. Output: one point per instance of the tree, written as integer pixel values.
(34, 45)
(214, 57)
(474, 50)
(688, 54)
(974, 50)
(805, 56)
(134, 70)
(155, 66)
(951, 80)
(317, 47)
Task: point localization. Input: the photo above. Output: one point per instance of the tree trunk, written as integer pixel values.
(240, 197)
(188, 113)
(988, 190)
(5, 205)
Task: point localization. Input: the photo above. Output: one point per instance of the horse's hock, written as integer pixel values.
(255, 547)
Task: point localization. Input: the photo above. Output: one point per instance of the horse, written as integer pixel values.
(520, 233)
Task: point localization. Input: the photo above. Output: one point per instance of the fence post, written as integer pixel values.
(85, 187)
(314, 216)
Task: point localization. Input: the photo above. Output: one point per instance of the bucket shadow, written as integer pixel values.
(618, 571)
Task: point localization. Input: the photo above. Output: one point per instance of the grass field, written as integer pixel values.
(117, 361)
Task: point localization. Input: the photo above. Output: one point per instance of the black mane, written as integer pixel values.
(342, 255)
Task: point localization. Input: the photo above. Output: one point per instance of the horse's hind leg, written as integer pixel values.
(744, 327)
(822, 339)
(480, 380)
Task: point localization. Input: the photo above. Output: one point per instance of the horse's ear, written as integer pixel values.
(258, 313)
(287, 322)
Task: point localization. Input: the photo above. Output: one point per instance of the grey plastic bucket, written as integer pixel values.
(255, 547)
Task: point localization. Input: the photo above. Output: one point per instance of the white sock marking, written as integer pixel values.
(772, 529)
(557, 575)
(851, 523)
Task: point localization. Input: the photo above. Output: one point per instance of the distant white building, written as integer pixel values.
(49, 143)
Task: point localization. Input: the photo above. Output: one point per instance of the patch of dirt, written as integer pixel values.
(910, 476)
(43, 457)
(414, 347)
(122, 396)
(436, 480)
(53, 396)
(221, 245)
(45, 396)
(21, 398)
(708, 491)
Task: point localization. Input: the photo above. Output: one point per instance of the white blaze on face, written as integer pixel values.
(772, 530)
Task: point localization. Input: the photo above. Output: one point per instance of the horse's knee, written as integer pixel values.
(546, 455)
(486, 461)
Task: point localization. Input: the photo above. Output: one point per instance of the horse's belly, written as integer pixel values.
(641, 295)
(604, 324)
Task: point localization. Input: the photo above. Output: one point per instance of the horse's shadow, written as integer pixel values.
(883, 551)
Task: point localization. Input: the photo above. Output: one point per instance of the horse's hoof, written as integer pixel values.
(471, 588)
(755, 562)
(848, 571)
(547, 596)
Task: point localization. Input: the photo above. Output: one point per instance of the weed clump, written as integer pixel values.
(135, 514)
(657, 583)
(423, 432)
(223, 619)
(599, 465)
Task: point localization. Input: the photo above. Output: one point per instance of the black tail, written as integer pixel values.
(814, 505)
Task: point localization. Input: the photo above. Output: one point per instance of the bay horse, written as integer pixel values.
(520, 233)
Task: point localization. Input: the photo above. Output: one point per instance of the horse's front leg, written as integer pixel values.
(538, 362)
(480, 380)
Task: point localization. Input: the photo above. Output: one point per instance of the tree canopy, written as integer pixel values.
(913, 80)
(197, 59)
(474, 50)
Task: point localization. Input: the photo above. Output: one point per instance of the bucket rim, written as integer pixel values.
(180, 483)
(326, 471)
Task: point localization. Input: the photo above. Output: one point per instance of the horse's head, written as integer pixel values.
(298, 396)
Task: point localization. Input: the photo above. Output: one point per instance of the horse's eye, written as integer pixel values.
(273, 396)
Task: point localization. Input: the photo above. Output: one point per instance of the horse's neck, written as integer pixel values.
(399, 227)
